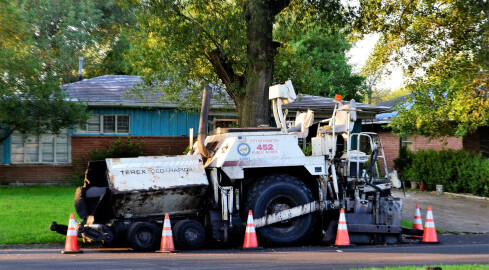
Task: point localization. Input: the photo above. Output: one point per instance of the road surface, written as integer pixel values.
(453, 249)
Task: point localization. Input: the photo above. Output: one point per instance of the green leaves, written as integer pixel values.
(452, 101)
(315, 61)
(444, 48)
(184, 44)
(175, 41)
(458, 171)
(43, 55)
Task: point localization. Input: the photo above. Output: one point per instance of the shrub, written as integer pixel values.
(120, 149)
(458, 171)
(404, 160)
(308, 150)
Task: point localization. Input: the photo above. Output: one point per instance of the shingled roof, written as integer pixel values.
(112, 91)
(395, 101)
(324, 105)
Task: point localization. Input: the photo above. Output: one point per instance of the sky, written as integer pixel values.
(358, 56)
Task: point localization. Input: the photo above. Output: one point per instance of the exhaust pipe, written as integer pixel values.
(204, 118)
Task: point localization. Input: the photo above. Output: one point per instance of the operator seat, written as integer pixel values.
(302, 123)
(341, 119)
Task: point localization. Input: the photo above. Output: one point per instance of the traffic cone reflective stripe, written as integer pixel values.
(167, 236)
(71, 244)
(250, 240)
(417, 223)
(342, 237)
(429, 235)
(71, 226)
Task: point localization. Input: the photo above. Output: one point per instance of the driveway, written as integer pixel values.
(451, 213)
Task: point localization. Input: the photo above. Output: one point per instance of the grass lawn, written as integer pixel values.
(27, 212)
(444, 267)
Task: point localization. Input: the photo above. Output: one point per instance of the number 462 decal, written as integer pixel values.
(265, 147)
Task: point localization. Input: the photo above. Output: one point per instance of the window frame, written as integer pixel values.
(224, 120)
(405, 141)
(84, 130)
(39, 149)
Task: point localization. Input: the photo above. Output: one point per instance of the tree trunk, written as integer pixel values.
(254, 106)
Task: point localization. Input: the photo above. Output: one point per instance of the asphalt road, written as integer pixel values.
(453, 249)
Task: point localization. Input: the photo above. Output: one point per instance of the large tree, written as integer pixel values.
(182, 44)
(443, 45)
(313, 55)
(40, 41)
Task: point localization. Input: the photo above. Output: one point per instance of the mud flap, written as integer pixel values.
(330, 234)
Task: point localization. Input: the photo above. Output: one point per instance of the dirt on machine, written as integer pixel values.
(295, 198)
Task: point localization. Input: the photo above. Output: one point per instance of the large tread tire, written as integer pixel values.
(81, 203)
(188, 235)
(279, 192)
(143, 236)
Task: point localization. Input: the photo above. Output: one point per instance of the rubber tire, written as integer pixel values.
(81, 203)
(188, 235)
(143, 236)
(289, 191)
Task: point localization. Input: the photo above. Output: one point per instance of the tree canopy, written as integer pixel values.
(443, 46)
(313, 56)
(184, 44)
(40, 41)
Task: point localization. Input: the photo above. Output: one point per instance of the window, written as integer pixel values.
(46, 148)
(408, 143)
(225, 123)
(106, 124)
(484, 141)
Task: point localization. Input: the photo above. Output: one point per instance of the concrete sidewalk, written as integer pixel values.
(451, 213)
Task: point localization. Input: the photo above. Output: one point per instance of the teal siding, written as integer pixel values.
(149, 122)
(6, 150)
(357, 128)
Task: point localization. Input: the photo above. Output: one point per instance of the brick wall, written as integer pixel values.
(391, 145)
(80, 145)
(35, 174)
(153, 145)
(422, 142)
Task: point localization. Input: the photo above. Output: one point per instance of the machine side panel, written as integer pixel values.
(239, 152)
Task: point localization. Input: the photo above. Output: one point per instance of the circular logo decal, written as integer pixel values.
(244, 149)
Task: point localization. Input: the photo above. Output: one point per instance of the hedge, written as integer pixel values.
(458, 171)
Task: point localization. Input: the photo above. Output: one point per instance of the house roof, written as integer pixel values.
(105, 89)
(325, 105)
(392, 102)
(112, 91)
(386, 117)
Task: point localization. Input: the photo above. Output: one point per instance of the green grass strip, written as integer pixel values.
(444, 267)
(27, 212)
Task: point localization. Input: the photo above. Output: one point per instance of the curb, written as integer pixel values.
(466, 196)
(469, 196)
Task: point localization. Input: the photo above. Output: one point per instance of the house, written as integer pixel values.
(164, 129)
(476, 142)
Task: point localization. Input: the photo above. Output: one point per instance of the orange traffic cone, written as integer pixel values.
(167, 237)
(250, 240)
(71, 244)
(342, 238)
(417, 223)
(429, 234)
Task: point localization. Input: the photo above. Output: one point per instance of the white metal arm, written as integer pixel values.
(281, 94)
